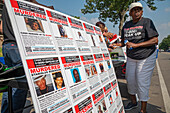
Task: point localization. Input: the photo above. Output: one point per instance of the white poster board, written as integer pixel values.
(69, 57)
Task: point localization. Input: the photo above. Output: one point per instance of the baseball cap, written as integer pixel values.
(135, 4)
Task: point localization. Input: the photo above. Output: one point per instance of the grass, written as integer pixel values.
(1, 52)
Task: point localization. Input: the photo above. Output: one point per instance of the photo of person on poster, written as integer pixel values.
(33, 25)
(110, 99)
(108, 64)
(100, 109)
(62, 31)
(101, 67)
(93, 69)
(75, 75)
(101, 40)
(58, 80)
(93, 41)
(87, 70)
(41, 85)
(104, 105)
(80, 36)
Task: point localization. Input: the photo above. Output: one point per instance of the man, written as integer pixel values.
(12, 58)
(43, 88)
(87, 71)
(58, 80)
(141, 37)
(76, 76)
(35, 27)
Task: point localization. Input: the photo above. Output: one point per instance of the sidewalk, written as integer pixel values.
(155, 103)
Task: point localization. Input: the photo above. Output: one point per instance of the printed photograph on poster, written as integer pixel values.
(110, 98)
(62, 31)
(34, 25)
(108, 64)
(93, 40)
(80, 36)
(90, 70)
(58, 80)
(75, 75)
(101, 67)
(100, 39)
(43, 84)
(101, 107)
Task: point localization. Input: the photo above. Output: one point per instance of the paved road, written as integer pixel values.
(156, 102)
(164, 63)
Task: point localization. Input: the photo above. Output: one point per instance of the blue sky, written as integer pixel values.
(160, 17)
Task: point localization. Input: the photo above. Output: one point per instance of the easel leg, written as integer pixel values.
(10, 107)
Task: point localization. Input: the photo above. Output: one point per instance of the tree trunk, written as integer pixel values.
(122, 19)
(122, 15)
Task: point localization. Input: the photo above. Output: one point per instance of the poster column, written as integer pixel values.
(93, 41)
(63, 37)
(75, 77)
(101, 68)
(91, 72)
(49, 84)
(79, 34)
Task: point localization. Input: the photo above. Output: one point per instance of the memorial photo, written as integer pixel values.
(88, 72)
(75, 75)
(43, 84)
(80, 37)
(93, 69)
(101, 67)
(33, 25)
(62, 31)
(108, 64)
(58, 80)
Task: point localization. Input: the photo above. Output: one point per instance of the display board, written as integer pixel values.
(66, 61)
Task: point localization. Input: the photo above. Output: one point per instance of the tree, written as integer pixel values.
(114, 10)
(165, 44)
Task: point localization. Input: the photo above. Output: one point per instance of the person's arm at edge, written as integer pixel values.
(1, 31)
